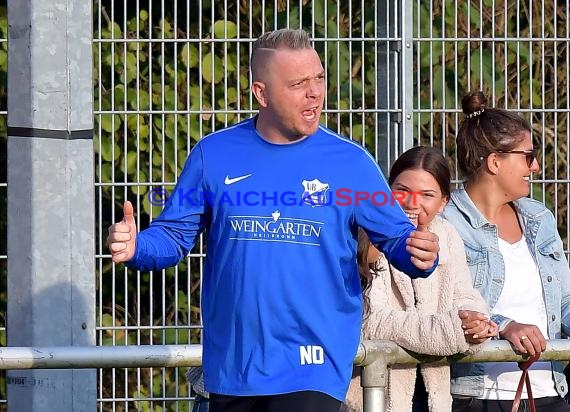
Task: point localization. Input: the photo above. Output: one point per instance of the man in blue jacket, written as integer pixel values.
(281, 298)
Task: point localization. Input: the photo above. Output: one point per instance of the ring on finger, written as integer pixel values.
(523, 337)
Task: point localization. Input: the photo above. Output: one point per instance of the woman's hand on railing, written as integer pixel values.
(477, 326)
(524, 338)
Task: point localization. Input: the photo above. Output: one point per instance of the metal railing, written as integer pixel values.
(377, 356)
(374, 356)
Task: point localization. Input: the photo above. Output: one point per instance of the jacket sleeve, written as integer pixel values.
(455, 218)
(432, 334)
(563, 274)
(465, 295)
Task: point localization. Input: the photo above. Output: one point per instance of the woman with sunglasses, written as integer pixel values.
(515, 256)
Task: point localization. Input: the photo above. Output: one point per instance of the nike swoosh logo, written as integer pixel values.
(233, 180)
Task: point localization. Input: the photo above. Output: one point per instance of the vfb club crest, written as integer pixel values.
(315, 192)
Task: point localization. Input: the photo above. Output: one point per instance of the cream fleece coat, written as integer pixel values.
(421, 315)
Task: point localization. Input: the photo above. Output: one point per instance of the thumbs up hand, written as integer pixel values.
(422, 223)
(423, 245)
(122, 236)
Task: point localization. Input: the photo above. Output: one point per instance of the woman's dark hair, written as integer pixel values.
(426, 158)
(485, 130)
(364, 268)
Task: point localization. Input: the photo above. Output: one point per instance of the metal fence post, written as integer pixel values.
(374, 357)
(387, 85)
(394, 81)
(51, 282)
(407, 75)
(374, 378)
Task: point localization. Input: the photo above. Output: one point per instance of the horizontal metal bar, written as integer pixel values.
(119, 183)
(141, 356)
(491, 39)
(143, 40)
(183, 112)
(82, 357)
(358, 110)
(492, 351)
(183, 40)
(440, 110)
(134, 328)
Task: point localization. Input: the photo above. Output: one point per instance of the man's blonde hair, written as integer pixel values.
(278, 39)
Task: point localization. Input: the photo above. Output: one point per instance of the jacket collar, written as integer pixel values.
(526, 208)
(465, 205)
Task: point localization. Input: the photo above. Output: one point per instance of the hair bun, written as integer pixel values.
(474, 103)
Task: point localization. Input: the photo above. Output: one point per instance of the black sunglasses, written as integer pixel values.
(529, 154)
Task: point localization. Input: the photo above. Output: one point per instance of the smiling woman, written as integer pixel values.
(441, 315)
(424, 175)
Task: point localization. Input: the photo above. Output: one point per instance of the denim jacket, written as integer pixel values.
(488, 272)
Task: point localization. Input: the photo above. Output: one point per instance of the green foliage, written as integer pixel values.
(513, 73)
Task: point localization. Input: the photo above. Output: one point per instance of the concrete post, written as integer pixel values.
(51, 282)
